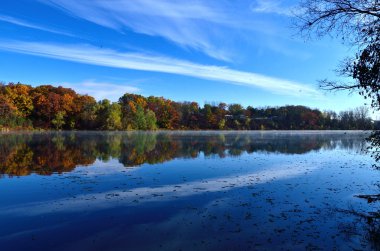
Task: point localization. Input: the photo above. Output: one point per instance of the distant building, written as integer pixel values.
(239, 117)
(266, 118)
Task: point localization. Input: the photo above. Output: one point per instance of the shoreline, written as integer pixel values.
(187, 131)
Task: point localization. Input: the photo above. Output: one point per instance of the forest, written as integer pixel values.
(23, 107)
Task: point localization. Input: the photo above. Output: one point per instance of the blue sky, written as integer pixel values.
(236, 51)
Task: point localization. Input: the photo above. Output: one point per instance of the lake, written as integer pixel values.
(186, 191)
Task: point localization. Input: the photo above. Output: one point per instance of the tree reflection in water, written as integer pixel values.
(48, 153)
(372, 219)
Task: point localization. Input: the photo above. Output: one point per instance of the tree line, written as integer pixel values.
(48, 107)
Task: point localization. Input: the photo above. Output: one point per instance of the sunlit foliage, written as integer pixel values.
(49, 107)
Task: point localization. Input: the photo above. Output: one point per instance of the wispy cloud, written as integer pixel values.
(106, 57)
(212, 27)
(273, 6)
(102, 90)
(181, 22)
(30, 25)
(162, 193)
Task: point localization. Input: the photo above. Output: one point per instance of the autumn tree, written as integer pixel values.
(208, 117)
(19, 95)
(63, 108)
(190, 115)
(86, 109)
(7, 112)
(15, 106)
(237, 113)
(167, 115)
(137, 113)
(49, 100)
(220, 113)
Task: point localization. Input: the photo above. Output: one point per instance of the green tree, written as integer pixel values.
(222, 124)
(151, 121)
(109, 115)
(139, 119)
(113, 120)
(59, 120)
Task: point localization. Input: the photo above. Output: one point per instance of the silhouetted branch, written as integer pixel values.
(337, 86)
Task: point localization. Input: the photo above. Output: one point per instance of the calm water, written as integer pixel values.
(185, 191)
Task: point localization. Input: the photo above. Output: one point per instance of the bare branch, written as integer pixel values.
(356, 22)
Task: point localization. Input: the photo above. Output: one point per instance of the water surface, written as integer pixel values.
(185, 191)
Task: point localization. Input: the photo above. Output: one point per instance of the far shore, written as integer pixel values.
(7, 130)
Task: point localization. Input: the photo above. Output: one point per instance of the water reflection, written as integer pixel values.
(162, 193)
(372, 218)
(374, 147)
(193, 191)
(47, 153)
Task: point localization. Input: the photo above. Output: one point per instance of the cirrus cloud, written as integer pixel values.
(110, 58)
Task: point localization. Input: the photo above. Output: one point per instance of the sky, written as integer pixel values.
(232, 51)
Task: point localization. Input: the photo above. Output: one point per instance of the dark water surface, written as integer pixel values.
(185, 191)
